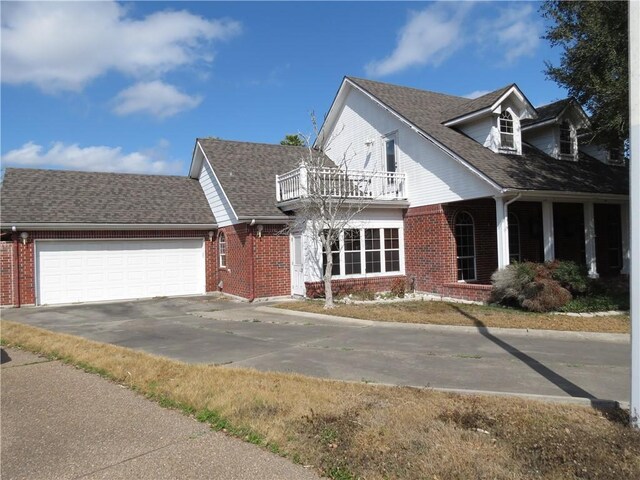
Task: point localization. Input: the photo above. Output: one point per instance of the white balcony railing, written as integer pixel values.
(353, 184)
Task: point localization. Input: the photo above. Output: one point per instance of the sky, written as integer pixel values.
(129, 86)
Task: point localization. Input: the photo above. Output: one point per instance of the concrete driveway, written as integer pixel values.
(216, 331)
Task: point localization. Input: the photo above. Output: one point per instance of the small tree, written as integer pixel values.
(294, 140)
(331, 199)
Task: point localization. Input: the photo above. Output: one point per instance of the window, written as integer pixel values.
(366, 251)
(566, 139)
(372, 250)
(391, 250)
(222, 250)
(505, 123)
(514, 238)
(335, 255)
(390, 154)
(352, 252)
(465, 246)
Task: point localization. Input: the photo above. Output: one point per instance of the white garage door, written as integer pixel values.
(88, 271)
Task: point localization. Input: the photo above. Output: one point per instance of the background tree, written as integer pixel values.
(594, 66)
(294, 140)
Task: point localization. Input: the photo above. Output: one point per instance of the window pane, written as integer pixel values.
(391, 155)
(391, 239)
(335, 255)
(351, 240)
(392, 260)
(352, 263)
(465, 248)
(373, 262)
(372, 239)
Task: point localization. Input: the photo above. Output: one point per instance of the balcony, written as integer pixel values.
(333, 182)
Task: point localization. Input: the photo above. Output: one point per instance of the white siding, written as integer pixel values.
(479, 129)
(543, 138)
(596, 151)
(220, 207)
(433, 176)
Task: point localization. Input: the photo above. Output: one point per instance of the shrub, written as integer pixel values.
(570, 275)
(530, 286)
(398, 288)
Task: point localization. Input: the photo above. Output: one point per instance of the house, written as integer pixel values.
(455, 188)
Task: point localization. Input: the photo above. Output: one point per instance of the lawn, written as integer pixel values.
(444, 313)
(351, 430)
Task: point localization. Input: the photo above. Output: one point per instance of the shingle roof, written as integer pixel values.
(58, 196)
(477, 104)
(533, 170)
(247, 172)
(548, 112)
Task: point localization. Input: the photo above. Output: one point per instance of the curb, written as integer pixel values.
(559, 334)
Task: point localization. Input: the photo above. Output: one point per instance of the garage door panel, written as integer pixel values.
(76, 271)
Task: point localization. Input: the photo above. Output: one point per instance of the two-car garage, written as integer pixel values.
(69, 271)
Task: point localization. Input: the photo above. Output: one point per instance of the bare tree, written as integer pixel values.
(331, 196)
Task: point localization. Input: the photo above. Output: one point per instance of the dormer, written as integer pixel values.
(555, 130)
(494, 119)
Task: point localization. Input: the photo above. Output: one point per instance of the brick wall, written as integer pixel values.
(272, 269)
(235, 277)
(7, 273)
(351, 285)
(430, 248)
(26, 260)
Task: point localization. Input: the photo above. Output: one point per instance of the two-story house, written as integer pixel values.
(455, 189)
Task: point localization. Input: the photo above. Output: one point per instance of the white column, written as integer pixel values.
(626, 253)
(590, 239)
(502, 233)
(547, 231)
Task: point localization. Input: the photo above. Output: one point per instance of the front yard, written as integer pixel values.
(356, 430)
(444, 313)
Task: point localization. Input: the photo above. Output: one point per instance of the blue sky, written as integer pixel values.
(129, 86)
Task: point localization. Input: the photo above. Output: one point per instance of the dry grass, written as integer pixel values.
(351, 430)
(443, 313)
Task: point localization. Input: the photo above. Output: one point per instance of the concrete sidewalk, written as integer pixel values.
(59, 422)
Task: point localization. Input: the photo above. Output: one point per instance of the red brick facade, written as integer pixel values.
(257, 264)
(352, 285)
(22, 278)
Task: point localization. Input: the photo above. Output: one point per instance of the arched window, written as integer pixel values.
(566, 139)
(465, 246)
(505, 122)
(514, 238)
(222, 249)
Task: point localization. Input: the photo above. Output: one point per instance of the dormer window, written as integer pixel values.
(566, 139)
(505, 123)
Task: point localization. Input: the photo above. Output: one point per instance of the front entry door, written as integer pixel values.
(297, 266)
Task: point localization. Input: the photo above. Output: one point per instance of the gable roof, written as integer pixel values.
(553, 110)
(247, 172)
(33, 196)
(477, 104)
(533, 170)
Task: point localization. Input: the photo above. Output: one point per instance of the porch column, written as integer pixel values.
(590, 239)
(547, 231)
(502, 233)
(626, 251)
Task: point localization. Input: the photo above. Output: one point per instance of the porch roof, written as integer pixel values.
(534, 170)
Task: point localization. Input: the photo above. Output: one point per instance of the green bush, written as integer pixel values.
(570, 275)
(510, 283)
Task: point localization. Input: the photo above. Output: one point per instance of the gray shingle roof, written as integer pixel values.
(477, 104)
(532, 171)
(548, 112)
(58, 196)
(247, 172)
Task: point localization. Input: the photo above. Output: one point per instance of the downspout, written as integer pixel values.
(514, 199)
(252, 276)
(16, 260)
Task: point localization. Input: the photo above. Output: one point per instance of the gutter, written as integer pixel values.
(111, 226)
(267, 219)
(568, 196)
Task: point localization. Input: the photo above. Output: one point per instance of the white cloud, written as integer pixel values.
(515, 33)
(154, 98)
(65, 45)
(476, 94)
(429, 37)
(95, 159)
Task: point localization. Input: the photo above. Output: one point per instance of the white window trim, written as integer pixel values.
(390, 136)
(574, 143)
(516, 139)
(363, 257)
(475, 253)
(222, 240)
